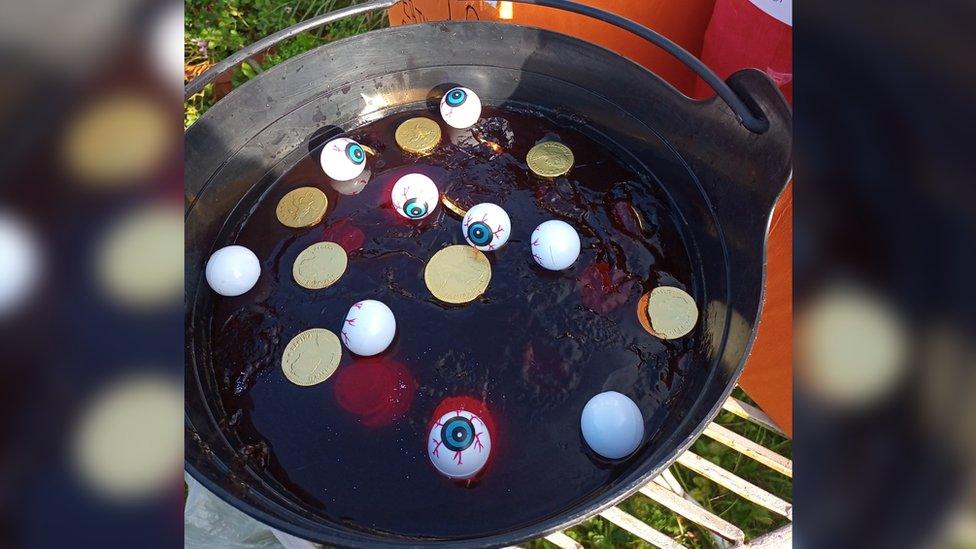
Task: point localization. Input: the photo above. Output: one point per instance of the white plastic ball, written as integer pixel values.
(20, 266)
(486, 226)
(233, 270)
(459, 444)
(612, 425)
(369, 328)
(415, 196)
(460, 108)
(555, 245)
(343, 159)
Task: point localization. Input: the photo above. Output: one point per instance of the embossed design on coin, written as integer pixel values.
(311, 357)
(320, 265)
(671, 311)
(418, 135)
(302, 207)
(457, 274)
(550, 159)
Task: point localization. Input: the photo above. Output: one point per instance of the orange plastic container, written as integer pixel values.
(682, 22)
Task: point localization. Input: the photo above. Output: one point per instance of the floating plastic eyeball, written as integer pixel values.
(555, 245)
(343, 159)
(459, 444)
(460, 108)
(415, 196)
(369, 328)
(486, 227)
(233, 270)
(612, 425)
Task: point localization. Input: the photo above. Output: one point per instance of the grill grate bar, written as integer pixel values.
(751, 413)
(563, 541)
(736, 484)
(745, 446)
(693, 512)
(638, 528)
(776, 539)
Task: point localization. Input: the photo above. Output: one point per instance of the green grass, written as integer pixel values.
(214, 30)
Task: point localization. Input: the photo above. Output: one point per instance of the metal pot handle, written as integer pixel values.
(754, 122)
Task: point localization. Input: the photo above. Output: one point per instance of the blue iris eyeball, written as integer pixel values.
(457, 434)
(479, 233)
(343, 159)
(486, 226)
(356, 153)
(460, 108)
(415, 209)
(456, 97)
(415, 196)
(459, 444)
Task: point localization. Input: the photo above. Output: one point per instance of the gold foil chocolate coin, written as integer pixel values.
(550, 159)
(453, 206)
(320, 265)
(642, 316)
(672, 312)
(457, 274)
(302, 207)
(311, 357)
(418, 135)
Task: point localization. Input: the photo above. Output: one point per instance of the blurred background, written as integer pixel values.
(91, 264)
(91, 271)
(883, 258)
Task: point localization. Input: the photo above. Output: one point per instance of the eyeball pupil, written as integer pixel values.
(479, 233)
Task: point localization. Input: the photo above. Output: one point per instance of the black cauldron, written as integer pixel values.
(722, 163)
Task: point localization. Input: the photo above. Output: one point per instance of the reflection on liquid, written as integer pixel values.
(353, 186)
(344, 233)
(739, 331)
(604, 288)
(377, 390)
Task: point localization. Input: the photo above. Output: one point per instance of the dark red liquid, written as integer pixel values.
(535, 348)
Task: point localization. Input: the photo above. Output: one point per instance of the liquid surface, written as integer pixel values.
(535, 347)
